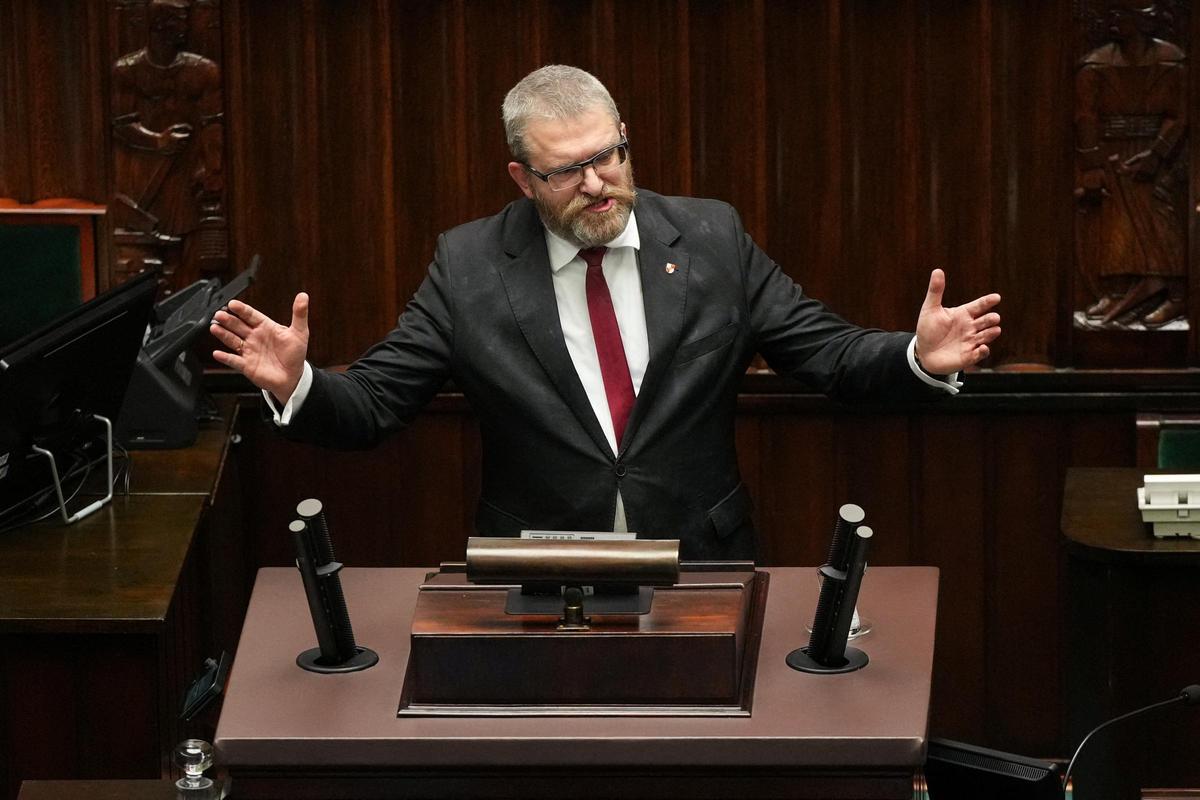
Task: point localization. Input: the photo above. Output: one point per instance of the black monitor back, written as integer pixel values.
(53, 380)
(958, 771)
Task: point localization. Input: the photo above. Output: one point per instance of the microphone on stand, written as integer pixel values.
(1188, 695)
(337, 650)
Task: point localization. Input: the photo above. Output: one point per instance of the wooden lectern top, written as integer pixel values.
(279, 717)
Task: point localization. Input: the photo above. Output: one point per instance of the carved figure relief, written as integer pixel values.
(167, 131)
(1132, 174)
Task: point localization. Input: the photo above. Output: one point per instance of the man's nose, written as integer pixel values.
(592, 182)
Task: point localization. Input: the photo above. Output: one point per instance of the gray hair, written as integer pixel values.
(552, 92)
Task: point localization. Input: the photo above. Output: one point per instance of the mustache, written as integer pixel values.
(621, 194)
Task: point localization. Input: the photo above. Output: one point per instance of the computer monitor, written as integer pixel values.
(958, 770)
(56, 380)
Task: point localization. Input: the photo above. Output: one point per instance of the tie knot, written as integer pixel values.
(593, 256)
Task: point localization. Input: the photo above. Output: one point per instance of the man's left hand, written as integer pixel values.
(951, 339)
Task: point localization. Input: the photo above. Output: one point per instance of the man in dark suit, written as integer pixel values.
(600, 333)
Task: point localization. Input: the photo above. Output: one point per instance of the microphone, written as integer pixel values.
(337, 650)
(1188, 695)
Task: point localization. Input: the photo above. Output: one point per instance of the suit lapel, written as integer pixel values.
(530, 289)
(664, 270)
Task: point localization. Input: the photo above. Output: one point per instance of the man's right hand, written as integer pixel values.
(269, 354)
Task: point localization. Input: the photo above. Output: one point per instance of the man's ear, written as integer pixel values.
(520, 177)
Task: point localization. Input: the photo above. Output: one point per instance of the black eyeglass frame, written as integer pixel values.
(581, 165)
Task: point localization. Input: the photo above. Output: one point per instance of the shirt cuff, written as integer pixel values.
(284, 416)
(950, 383)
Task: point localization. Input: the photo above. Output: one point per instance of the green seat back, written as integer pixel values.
(39, 276)
(1179, 448)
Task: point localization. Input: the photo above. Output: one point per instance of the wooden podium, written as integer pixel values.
(288, 733)
(693, 653)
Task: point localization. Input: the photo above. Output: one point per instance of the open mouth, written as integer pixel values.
(602, 206)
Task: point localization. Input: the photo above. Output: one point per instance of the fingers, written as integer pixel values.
(989, 335)
(230, 323)
(981, 305)
(226, 337)
(300, 312)
(247, 313)
(937, 286)
(229, 359)
(987, 321)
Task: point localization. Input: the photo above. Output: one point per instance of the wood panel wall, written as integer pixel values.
(863, 142)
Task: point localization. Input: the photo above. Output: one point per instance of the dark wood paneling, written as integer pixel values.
(78, 706)
(502, 43)
(1032, 130)
(725, 44)
(798, 500)
(862, 142)
(806, 147)
(430, 135)
(651, 81)
(14, 116)
(955, 205)
(270, 97)
(953, 532)
(1021, 578)
(54, 84)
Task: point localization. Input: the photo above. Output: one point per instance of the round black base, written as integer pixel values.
(855, 659)
(311, 661)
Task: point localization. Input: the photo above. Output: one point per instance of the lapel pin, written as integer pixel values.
(671, 268)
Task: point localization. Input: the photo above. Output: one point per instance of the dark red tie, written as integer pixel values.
(614, 368)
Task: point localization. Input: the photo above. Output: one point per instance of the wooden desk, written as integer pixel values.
(98, 624)
(287, 733)
(1133, 620)
(112, 790)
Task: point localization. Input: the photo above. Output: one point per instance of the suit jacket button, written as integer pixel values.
(619, 470)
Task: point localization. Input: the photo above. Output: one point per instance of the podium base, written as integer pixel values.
(311, 661)
(800, 660)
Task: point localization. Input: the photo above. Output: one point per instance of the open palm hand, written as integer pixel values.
(270, 355)
(951, 339)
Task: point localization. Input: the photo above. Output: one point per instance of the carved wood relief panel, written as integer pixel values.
(168, 205)
(1132, 172)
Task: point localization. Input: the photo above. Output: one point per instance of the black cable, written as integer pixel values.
(86, 467)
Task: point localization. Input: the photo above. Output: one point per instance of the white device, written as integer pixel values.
(1171, 503)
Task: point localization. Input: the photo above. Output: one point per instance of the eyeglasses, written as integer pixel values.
(603, 162)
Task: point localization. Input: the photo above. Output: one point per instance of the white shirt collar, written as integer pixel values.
(561, 251)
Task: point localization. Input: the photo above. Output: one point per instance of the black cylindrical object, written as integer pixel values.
(313, 514)
(336, 651)
(312, 590)
(848, 597)
(850, 516)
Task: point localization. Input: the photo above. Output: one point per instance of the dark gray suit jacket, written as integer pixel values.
(486, 316)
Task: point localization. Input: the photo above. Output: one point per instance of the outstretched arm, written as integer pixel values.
(270, 355)
(951, 339)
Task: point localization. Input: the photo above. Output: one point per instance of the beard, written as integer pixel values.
(584, 228)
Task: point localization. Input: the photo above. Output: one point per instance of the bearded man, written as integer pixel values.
(601, 334)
